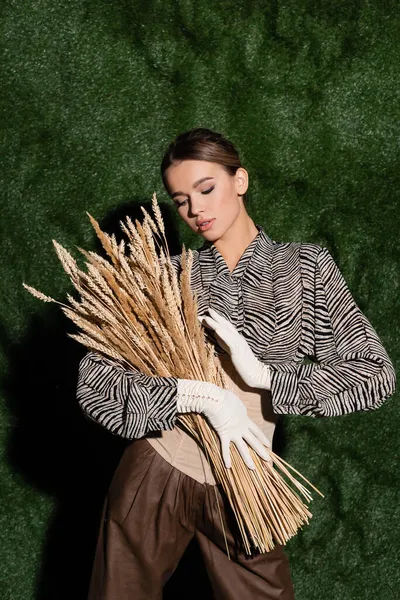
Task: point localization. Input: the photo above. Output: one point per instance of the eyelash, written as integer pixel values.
(179, 204)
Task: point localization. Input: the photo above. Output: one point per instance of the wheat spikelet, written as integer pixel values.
(93, 330)
(164, 336)
(128, 300)
(138, 279)
(104, 239)
(144, 265)
(95, 272)
(93, 345)
(133, 235)
(98, 261)
(126, 342)
(38, 294)
(150, 221)
(96, 306)
(112, 282)
(157, 305)
(151, 248)
(125, 230)
(170, 300)
(90, 290)
(140, 297)
(198, 341)
(114, 245)
(174, 283)
(97, 284)
(211, 368)
(69, 263)
(143, 239)
(101, 264)
(187, 294)
(156, 334)
(157, 213)
(166, 264)
(78, 306)
(134, 254)
(127, 307)
(162, 344)
(126, 268)
(186, 291)
(162, 258)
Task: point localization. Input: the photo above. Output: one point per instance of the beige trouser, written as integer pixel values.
(151, 513)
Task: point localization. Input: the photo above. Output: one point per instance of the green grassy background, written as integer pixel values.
(92, 92)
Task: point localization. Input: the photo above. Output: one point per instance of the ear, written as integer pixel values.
(242, 181)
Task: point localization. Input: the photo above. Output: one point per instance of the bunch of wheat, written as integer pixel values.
(136, 310)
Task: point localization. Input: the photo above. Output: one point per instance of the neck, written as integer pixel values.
(235, 240)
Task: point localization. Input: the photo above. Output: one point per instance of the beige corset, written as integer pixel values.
(182, 451)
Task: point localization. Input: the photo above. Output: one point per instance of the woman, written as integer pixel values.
(267, 305)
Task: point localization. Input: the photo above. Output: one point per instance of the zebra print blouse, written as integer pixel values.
(290, 301)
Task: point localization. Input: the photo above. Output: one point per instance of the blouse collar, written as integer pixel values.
(228, 292)
(241, 265)
(260, 244)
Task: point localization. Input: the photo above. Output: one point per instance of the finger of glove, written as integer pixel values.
(256, 445)
(221, 319)
(226, 455)
(227, 329)
(222, 334)
(259, 434)
(223, 343)
(244, 452)
(220, 329)
(210, 322)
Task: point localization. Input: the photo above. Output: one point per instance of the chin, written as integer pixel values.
(212, 237)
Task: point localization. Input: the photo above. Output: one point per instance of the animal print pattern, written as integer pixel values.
(290, 301)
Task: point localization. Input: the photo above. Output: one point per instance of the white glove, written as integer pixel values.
(228, 416)
(253, 372)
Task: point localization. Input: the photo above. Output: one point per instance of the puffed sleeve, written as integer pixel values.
(127, 403)
(353, 372)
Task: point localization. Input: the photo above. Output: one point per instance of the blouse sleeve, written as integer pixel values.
(127, 403)
(353, 371)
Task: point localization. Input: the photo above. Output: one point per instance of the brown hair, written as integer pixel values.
(202, 144)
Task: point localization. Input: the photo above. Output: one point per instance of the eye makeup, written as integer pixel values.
(179, 204)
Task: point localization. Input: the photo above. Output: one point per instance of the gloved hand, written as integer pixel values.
(252, 371)
(228, 416)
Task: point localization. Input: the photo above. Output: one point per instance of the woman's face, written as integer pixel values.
(203, 191)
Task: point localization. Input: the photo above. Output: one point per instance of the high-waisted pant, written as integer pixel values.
(151, 513)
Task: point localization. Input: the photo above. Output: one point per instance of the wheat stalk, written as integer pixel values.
(138, 312)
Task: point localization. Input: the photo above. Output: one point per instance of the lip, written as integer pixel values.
(199, 223)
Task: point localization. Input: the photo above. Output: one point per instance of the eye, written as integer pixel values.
(179, 204)
(209, 190)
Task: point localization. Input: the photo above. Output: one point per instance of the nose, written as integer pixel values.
(195, 209)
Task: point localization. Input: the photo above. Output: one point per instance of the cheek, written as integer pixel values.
(224, 200)
(229, 203)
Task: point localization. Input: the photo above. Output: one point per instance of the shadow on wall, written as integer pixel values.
(60, 453)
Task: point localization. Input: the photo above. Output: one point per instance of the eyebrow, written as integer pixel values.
(196, 183)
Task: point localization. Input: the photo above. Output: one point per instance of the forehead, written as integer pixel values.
(187, 172)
